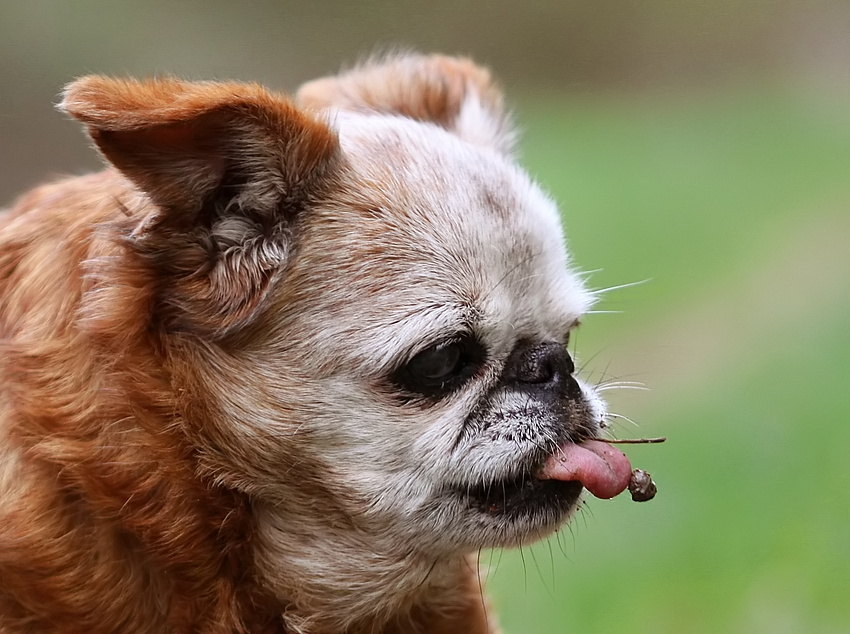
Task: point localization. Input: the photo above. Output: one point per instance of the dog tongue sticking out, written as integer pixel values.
(602, 469)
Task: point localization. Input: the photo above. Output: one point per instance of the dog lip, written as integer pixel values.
(522, 496)
(602, 469)
(522, 492)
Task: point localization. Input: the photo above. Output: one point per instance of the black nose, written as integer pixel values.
(544, 365)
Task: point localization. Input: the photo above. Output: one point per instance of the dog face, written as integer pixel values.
(429, 331)
(364, 308)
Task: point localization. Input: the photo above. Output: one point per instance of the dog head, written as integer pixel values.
(364, 306)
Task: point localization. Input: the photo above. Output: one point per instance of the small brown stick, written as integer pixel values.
(632, 441)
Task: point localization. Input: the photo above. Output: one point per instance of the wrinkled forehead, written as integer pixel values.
(437, 234)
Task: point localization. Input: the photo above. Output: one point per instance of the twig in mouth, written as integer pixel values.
(633, 441)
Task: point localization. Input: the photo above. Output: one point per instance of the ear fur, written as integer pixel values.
(451, 92)
(228, 167)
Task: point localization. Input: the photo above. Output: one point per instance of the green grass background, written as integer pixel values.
(737, 207)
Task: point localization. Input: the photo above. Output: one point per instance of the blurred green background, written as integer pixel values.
(703, 146)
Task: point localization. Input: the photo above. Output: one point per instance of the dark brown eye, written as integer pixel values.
(440, 368)
(435, 365)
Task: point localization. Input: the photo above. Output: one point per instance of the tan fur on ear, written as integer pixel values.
(227, 167)
(177, 140)
(451, 92)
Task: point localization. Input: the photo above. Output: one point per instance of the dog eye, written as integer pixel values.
(441, 368)
(435, 365)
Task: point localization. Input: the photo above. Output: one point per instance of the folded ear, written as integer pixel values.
(451, 92)
(228, 167)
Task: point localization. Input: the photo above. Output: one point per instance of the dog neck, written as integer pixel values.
(342, 581)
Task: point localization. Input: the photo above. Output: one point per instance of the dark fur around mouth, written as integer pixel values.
(522, 496)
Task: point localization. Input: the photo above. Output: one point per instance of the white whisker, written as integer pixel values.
(618, 385)
(600, 291)
(621, 417)
(589, 273)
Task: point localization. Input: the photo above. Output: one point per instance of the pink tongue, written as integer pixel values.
(602, 469)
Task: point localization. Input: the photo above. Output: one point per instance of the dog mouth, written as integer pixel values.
(524, 495)
(552, 485)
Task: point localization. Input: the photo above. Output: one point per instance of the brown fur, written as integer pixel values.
(124, 504)
(431, 90)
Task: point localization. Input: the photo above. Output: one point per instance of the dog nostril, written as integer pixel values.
(538, 371)
(542, 364)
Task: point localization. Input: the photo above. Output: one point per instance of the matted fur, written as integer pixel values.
(198, 432)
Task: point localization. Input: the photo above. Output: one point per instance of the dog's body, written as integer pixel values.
(285, 368)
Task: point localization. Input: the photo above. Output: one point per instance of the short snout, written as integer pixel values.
(542, 366)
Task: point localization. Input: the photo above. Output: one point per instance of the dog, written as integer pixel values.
(287, 364)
